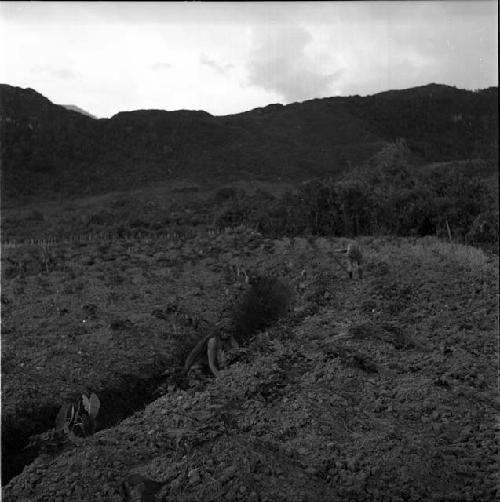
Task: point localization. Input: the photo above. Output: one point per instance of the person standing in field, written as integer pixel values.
(355, 259)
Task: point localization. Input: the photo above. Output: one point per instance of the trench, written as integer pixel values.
(118, 401)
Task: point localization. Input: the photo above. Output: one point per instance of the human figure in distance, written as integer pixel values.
(355, 259)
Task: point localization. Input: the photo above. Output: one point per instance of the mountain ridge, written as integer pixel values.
(49, 151)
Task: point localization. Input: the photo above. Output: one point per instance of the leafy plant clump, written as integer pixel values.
(265, 301)
(74, 421)
(78, 418)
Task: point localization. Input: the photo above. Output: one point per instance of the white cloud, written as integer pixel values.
(161, 66)
(282, 62)
(221, 68)
(62, 73)
(106, 56)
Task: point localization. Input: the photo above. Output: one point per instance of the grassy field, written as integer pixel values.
(380, 389)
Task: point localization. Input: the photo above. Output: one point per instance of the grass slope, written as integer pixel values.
(381, 389)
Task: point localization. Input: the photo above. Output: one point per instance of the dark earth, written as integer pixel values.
(368, 390)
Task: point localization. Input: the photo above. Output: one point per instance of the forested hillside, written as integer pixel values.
(49, 151)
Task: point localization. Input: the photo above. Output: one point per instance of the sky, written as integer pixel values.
(226, 58)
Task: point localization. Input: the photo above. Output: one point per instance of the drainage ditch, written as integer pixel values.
(118, 401)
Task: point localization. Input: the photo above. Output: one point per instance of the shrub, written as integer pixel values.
(265, 301)
(233, 214)
(34, 215)
(101, 218)
(225, 193)
(483, 229)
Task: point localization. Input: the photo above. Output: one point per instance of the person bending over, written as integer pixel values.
(211, 352)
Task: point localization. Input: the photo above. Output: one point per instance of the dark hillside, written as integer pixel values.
(49, 151)
(43, 144)
(438, 122)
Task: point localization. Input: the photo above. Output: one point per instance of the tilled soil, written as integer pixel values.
(375, 389)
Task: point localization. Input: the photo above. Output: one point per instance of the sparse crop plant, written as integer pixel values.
(78, 419)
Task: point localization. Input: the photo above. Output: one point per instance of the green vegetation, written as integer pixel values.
(49, 152)
(386, 197)
(455, 201)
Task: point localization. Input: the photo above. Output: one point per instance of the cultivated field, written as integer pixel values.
(380, 389)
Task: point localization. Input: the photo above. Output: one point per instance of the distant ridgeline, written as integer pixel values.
(48, 150)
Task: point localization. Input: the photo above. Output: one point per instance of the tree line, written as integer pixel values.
(387, 196)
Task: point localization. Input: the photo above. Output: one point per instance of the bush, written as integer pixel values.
(101, 218)
(34, 215)
(266, 300)
(483, 229)
(225, 193)
(234, 213)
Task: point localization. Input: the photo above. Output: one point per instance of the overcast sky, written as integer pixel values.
(230, 57)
